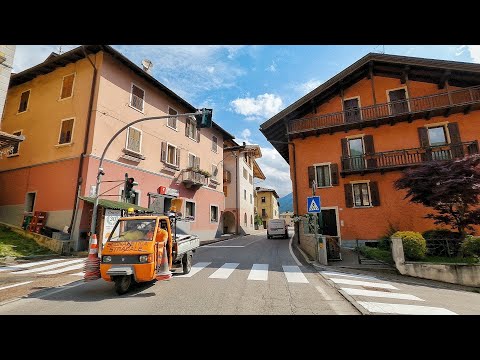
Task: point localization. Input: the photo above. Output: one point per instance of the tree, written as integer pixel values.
(451, 188)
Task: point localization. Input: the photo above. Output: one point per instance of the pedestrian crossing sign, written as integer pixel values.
(313, 204)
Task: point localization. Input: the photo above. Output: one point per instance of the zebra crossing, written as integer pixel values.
(45, 267)
(361, 288)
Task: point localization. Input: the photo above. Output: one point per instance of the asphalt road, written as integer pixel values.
(247, 275)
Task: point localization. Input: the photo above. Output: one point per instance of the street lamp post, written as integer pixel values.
(100, 169)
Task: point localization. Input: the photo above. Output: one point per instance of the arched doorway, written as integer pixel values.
(228, 222)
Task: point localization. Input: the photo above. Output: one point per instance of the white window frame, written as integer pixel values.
(369, 193)
(353, 137)
(60, 132)
(359, 104)
(18, 149)
(190, 153)
(439, 124)
(73, 86)
(34, 202)
(143, 100)
(166, 155)
(407, 98)
(185, 209)
(216, 144)
(218, 213)
(192, 122)
(141, 138)
(329, 170)
(176, 119)
(28, 102)
(245, 171)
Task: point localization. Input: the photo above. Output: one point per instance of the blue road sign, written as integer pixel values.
(313, 204)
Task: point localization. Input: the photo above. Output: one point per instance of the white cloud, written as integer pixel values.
(211, 69)
(27, 56)
(474, 52)
(272, 67)
(260, 108)
(276, 170)
(306, 87)
(246, 133)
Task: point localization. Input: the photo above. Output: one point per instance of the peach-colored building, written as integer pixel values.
(68, 107)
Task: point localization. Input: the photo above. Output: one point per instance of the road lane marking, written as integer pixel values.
(14, 285)
(225, 271)
(224, 246)
(78, 274)
(363, 283)
(195, 269)
(332, 273)
(58, 271)
(294, 274)
(291, 252)
(403, 309)
(259, 272)
(48, 267)
(27, 265)
(383, 294)
(323, 292)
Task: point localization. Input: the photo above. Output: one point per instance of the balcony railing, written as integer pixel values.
(402, 158)
(192, 178)
(418, 105)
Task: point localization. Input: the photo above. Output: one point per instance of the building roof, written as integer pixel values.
(460, 74)
(262, 189)
(257, 172)
(55, 61)
(7, 140)
(251, 148)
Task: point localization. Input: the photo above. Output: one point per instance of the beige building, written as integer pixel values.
(287, 215)
(239, 170)
(267, 204)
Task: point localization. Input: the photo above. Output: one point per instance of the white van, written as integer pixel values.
(277, 227)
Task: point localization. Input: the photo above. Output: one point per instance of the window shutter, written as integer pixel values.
(187, 126)
(198, 134)
(334, 174)
(374, 194)
(177, 157)
(163, 153)
(345, 160)
(311, 175)
(423, 136)
(348, 195)
(369, 150)
(197, 162)
(454, 133)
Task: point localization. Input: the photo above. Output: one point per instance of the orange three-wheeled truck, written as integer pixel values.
(134, 250)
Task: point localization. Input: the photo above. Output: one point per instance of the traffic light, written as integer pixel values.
(205, 118)
(129, 184)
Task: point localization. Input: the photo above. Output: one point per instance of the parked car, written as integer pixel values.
(277, 227)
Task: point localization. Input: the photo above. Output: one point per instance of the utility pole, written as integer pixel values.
(315, 232)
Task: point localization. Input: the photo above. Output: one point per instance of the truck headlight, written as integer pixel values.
(107, 259)
(143, 258)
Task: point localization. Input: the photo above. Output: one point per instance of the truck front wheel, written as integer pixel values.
(122, 284)
(187, 263)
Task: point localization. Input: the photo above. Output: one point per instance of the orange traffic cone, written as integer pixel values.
(92, 264)
(163, 272)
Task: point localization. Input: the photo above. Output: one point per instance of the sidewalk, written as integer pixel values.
(224, 237)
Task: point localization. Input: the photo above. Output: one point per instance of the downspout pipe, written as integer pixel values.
(237, 195)
(85, 142)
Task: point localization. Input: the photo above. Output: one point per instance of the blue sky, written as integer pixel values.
(246, 85)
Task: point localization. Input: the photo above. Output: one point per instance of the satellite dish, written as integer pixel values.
(147, 65)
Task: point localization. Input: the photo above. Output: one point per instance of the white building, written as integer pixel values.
(240, 168)
(7, 52)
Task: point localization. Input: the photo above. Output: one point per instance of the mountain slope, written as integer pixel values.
(286, 203)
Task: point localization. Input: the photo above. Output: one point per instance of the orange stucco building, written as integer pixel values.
(355, 133)
(68, 107)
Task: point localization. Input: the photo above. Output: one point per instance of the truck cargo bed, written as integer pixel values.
(186, 243)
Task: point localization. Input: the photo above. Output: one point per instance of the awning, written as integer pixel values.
(110, 204)
(8, 140)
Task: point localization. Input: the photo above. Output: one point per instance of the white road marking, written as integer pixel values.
(259, 272)
(291, 252)
(224, 246)
(294, 274)
(361, 292)
(225, 271)
(58, 271)
(332, 273)
(78, 274)
(14, 285)
(195, 269)
(403, 309)
(48, 267)
(27, 265)
(323, 292)
(363, 283)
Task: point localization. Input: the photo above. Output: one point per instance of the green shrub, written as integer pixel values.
(471, 246)
(414, 245)
(441, 234)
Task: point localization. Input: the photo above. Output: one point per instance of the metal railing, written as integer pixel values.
(412, 105)
(193, 177)
(407, 157)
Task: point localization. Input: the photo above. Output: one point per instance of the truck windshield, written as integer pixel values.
(133, 230)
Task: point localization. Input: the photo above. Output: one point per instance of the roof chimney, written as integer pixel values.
(147, 66)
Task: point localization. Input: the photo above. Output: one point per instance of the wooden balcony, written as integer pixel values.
(398, 159)
(463, 100)
(192, 178)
